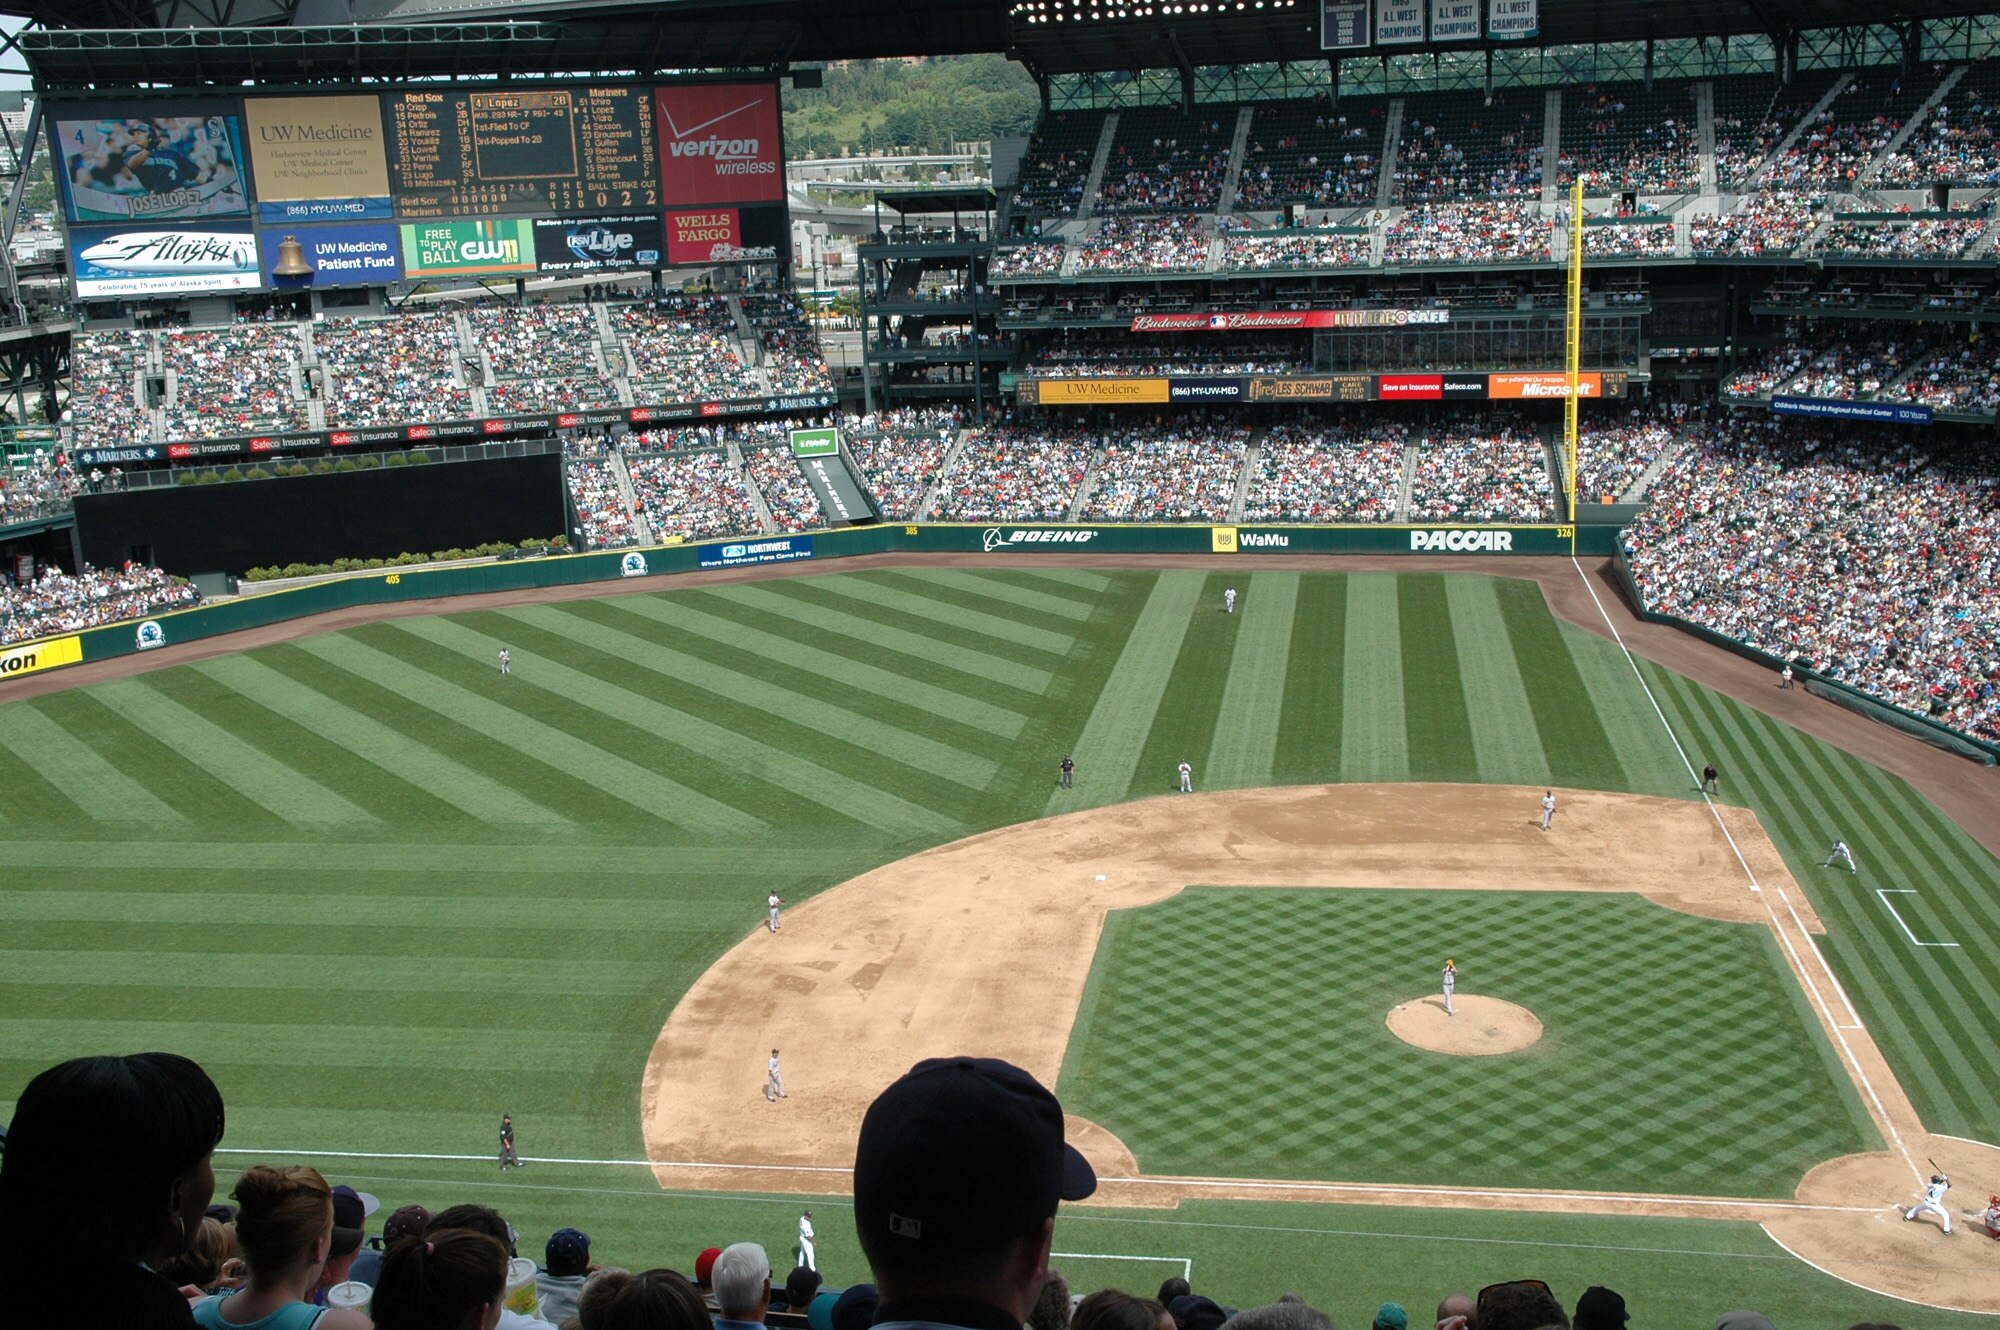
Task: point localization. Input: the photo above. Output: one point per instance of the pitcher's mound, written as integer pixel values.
(1477, 1027)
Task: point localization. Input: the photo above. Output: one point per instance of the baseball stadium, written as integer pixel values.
(1378, 618)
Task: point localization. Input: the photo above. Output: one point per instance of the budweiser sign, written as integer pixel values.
(1279, 320)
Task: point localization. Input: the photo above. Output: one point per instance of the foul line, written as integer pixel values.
(1839, 1030)
(1186, 1263)
(1885, 893)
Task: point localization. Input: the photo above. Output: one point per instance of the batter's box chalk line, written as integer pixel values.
(1885, 893)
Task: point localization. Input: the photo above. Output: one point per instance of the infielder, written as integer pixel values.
(1933, 1201)
(806, 1241)
(1187, 778)
(1229, 601)
(774, 1083)
(1548, 809)
(1450, 982)
(1840, 851)
(506, 662)
(774, 901)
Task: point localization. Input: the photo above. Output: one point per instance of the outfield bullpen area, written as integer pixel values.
(383, 893)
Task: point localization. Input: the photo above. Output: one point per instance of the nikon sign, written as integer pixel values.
(1462, 541)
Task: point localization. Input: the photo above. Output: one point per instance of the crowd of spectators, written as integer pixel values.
(1772, 224)
(1292, 252)
(103, 392)
(792, 358)
(1964, 379)
(1333, 161)
(40, 485)
(1743, 139)
(1874, 561)
(600, 501)
(1496, 231)
(1467, 145)
(230, 381)
(1480, 468)
(1923, 238)
(1038, 258)
(1610, 146)
(793, 502)
(899, 453)
(693, 495)
(1320, 469)
(384, 371)
(544, 357)
(1956, 144)
(1179, 469)
(1058, 162)
(1017, 473)
(1180, 169)
(1837, 144)
(1629, 240)
(1613, 452)
(59, 602)
(1849, 370)
(1770, 368)
(1145, 244)
(682, 348)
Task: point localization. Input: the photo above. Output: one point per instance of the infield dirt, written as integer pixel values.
(1477, 1026)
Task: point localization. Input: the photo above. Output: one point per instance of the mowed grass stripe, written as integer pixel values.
(315, 972)
(1434, 706)
(965, 609)
(1374, 741)
(32, 802)
(1114, 735)
(1001, 586)
(1184, 729)
(1061, 581)
(78, 771)
(444, 902)
(1505, 746)
(273, 785)
(1580, 754)
(340, 1043)
(395, 752)
(525, 864)
(787, 769)
(926, 639)
(1245, 746)
(1311, 719)
(615, 777)
(948, 693)
(670, 670)
(1645, 751)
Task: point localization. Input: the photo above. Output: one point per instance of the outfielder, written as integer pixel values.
(1187, 778)
(1548, 809)
(1450, 982)
(806, 1241)
(774, 900)
(1840, 851)
(774, 1082)
(1933, 1201)
(1229, 601)
(506, 662)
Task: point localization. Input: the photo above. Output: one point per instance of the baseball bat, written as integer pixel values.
(1934, 1165)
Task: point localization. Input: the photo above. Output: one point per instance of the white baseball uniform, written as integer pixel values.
(1933, 1201)
(1229, 601)
(774, 1083)
(1450, 983)
(774, 902)
(1548, 809)
(1840, 851)
(1187, 778)
(506, 662)
(806, 1242)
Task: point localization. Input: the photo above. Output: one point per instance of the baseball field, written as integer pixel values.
(385, 894)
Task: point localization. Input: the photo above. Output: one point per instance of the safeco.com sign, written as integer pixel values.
(993, 538)
(1463, 542)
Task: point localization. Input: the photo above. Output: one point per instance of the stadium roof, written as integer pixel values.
(282, 41)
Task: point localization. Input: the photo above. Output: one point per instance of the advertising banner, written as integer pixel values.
(1512, 20)
(1410, 387)
(468, 249)
(1204, 390)
(1821, 409)
(134, 168)
(144, 452)
(709, 235)
(121, 262)
(1454, 20)
(1315, 388)
(1279, 320)
(318, 159)
(1550, 383)
(755, 551)
(1091, 392)
(1343, 25)
(1462, 387)
(597, 244)
(16, 661)
(361, 254)
(719, 143)
(1398, 22)
(815, 442)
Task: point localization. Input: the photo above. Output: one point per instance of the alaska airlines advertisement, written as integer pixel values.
(118, 262)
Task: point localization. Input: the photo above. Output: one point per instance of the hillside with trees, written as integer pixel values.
(928, 104)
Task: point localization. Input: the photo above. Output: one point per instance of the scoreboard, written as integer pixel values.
(461, 153)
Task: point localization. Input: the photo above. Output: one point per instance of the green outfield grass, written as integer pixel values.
(1677, 1055)
(384, 894)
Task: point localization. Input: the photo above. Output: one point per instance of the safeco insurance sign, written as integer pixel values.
(815, 442)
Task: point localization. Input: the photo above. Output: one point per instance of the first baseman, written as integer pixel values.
(1187, 778)
(1840, 851)
(774, 1083)
(1933, 1201)
(506, 662)
(774, 901)
(1548, 809)
(1450, 982)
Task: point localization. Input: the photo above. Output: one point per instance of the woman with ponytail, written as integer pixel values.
(284, 1229)
(456, 1280)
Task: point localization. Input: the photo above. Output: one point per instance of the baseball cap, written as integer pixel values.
(568, 1251)
(960, 1155)
(1600, 1306)
(408, 1222)
(704, 1264)
(1391, 1316)
(854, 1309)
(351, 1209)
(1191, 1311)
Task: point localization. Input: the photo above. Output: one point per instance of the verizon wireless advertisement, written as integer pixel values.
(720, 143)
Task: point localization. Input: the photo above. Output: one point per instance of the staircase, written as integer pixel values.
(1763, 171)
(640, 526)
(1408, 483)
(765, 522)
(1983, 246)
(1913, 123)
(1392, 143)
(1552, 120)
(1704, 117)
(607, 332)
(1230, 179)
(1075, 513)
(946, 466)
(1252, 456)
(1637, 490)
(1086, 207)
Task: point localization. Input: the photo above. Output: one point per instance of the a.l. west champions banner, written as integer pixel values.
(719, 143)
(122, 262)
(318, 159)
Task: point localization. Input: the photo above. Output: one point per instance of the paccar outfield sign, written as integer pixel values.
(1462, 542)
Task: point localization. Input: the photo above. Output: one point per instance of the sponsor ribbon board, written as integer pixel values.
(597, 244)
(815, 442)
(1823, 409)
(1281, 320)
(468, 249)
(755, 551)
(1071, 392)
(363, 254)
(37, 656)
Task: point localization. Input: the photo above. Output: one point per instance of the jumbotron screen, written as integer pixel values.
(167, 194)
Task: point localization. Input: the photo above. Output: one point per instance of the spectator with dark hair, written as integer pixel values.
(1524, 1304)
(1191, 1311)
(560, 1282)
(1109, 1309)
(1052, 1308)
(652, 1300)
(411, 1221)
(202, 1264)
(1291, 1312)
(1174, 1287)
(958, 1171)
(1599, 1308)
(855, 1308)
(285, 1230)
(351, 1209)
(742, 1279)
(801, 1285)
(115, 1154)
(454, 1281)
(485, 1219)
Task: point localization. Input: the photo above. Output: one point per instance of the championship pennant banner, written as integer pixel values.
(1398, 22)
(1512, 20)
(1454, 20)
(1343, 25)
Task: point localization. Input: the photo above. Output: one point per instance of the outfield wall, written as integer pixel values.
(388, 586)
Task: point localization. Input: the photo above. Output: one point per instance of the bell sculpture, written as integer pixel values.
(291, 260)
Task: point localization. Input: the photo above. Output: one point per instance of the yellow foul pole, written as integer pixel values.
(1573, 348)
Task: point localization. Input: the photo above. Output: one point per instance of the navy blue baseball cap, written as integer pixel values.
(962, 1155)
